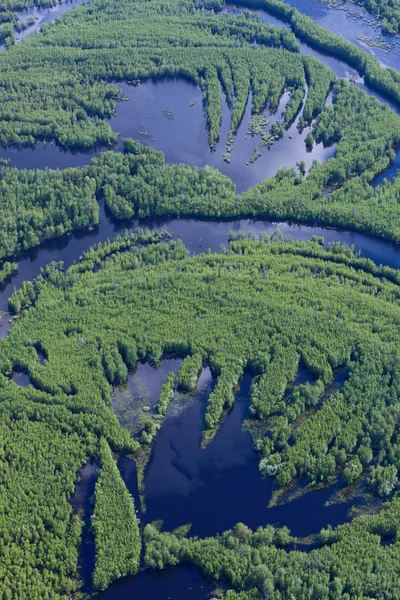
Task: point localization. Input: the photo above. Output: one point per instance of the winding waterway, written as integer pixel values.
(169, 115)
(215, 487)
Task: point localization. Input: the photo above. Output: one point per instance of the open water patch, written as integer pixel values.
(21, 378)
(168, 115)
(173, 583)
(131, 402)
(214, 488)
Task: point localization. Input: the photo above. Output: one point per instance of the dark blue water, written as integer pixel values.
(390, 173)
(82, 504)
(196, 234)
(213, 488)
(220, 485)
(21, 379)
(175, 583)
(183, 137)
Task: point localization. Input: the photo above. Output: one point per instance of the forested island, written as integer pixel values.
(315, 326)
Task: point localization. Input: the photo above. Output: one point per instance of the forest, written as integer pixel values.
(387, 10)
(271, 306)
(39, 205)
(351, 562)
(60, 85)
(43, 204)
(267, 307)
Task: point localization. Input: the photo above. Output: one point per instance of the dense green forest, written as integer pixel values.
(351, 563)
(38, 102)
(38, 205)
(306, 29)
(114, 525)
(6, 6)
(387, 10)
(57, 85)
(263, 307)
(267, 307)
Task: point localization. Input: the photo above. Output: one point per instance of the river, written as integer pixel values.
(215, 487)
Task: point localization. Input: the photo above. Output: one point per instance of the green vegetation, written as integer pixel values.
(328, 309)
(16, 5)
(54, 85)
(114, 525)
(166, 396)
(38, 205)
(266, 307)
(351, 563)
(189, 372)
(218, 55)
(6, 270)
(387, 10)
(261, 306)
(377, 77)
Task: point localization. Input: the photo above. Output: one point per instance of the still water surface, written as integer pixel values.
(215, 487)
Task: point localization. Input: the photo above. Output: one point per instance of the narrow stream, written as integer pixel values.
(196, 234)
(83, 506)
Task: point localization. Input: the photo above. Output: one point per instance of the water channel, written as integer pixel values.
(215, 487)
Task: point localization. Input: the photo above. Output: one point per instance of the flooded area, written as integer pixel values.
(215, 486)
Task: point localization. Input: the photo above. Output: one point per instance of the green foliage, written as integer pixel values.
(114, 524)
(282, 301)
(19, 5)
(352, 563)
(189, 372)
(62, 93)
(22, 298)
(166, 395)
(222, 397)
(305, 28)
(352, 470)
(262, 301)
(64, 79)
(383, 480)
(6, 269)
(39, 205)
(40, 535)
(387, 10)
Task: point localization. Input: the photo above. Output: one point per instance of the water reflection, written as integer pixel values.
(215, 487)
(197, 235)
(82, 504)
(20, 378)
(141, 393)
(42, 16)
(169, 116)
(169, 584)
